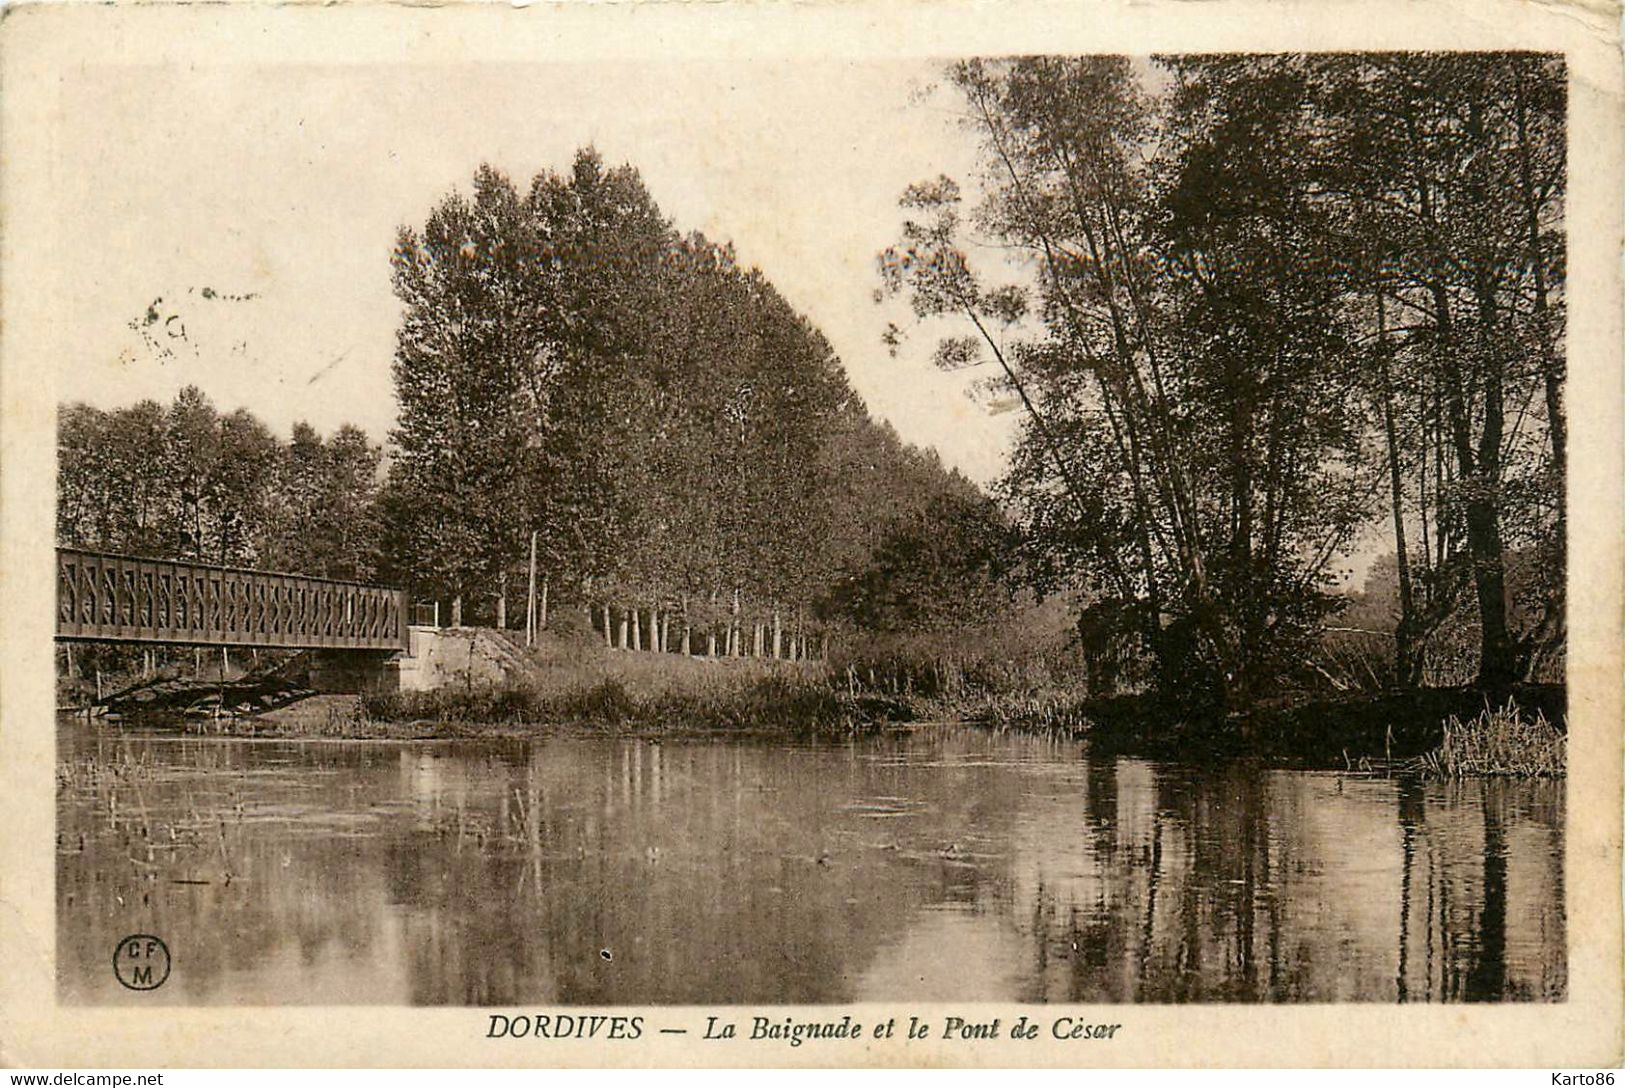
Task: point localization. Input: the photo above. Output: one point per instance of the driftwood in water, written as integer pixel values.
(253, 693)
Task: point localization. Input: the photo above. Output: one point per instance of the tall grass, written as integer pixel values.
(1037, 657)
(1503, 742)
(1047, 712)
(776, 703)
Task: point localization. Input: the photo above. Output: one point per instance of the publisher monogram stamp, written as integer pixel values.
(141, 962)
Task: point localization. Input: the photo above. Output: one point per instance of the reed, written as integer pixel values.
(1503, 742)
(1048, 712)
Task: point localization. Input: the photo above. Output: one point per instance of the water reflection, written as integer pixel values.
(940, 864)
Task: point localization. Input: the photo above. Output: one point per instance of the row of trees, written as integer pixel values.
(185, 481)
(1260, 305)
(677, 448)
(678, 445)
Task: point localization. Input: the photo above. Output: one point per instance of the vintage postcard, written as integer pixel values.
(865, 534)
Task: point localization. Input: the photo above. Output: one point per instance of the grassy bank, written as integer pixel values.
(782, 703)
(576, 684)
(1443, 731)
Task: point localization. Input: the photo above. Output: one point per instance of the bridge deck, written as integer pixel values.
(122, 598)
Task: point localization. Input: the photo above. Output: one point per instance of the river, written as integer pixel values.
(940, 863)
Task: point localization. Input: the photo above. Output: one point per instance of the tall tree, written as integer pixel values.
(1265, 287)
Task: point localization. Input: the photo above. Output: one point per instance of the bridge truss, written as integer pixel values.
(120, 598)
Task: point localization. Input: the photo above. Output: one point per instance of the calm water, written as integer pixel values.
(945, 863)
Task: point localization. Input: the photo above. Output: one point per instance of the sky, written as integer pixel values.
(230, 227)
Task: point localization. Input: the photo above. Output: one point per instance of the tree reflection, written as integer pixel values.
(938, 864)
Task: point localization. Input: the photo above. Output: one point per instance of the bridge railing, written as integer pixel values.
(131, 599)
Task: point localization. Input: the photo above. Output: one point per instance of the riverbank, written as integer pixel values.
(783, 702)
(566, 688)
(569, 686)
(1439, 732)
(1384, 730)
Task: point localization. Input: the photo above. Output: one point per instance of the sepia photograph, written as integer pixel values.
(1076, 529)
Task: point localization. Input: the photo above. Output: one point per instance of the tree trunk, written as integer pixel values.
(1550, 364)
(530, 595)
(637, 630)
(541, 618)
(609, 626)
(1497, 666)
(621, 631)
(502, 601)
(733, 625)
(457, 610)
(665, 632)
(1480, 472)
(1407, 671)
(778, 635)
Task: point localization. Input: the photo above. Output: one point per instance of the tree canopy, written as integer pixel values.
(190, 482)
(1267, 302)
(680, 441)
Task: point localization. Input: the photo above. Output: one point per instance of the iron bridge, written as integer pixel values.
(123, 598)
